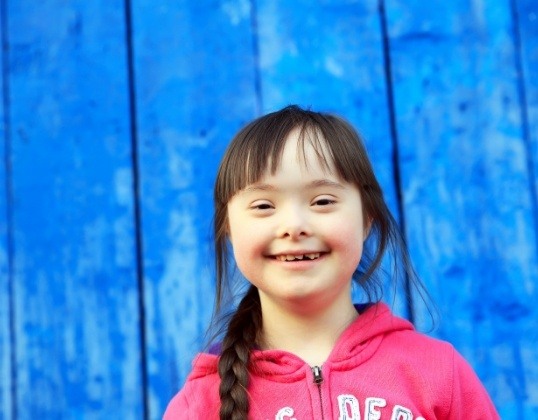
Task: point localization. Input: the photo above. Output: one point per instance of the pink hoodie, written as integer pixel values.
(380, 368)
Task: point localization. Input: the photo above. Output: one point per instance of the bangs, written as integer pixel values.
(262, 155)
(257, 149)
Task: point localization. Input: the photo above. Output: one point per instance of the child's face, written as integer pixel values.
(298, 235)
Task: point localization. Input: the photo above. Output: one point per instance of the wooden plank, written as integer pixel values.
(330, 57)
(526, 34)
(75, 287)
(5, 274)
(195, 87)
(468, 208)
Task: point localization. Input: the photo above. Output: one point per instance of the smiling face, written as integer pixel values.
(297, 234)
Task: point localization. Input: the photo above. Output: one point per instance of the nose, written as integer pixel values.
(294, 224)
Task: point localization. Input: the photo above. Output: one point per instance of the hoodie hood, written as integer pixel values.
(379, 366)
(356, 344)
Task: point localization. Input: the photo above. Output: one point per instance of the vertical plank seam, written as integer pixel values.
(9, 211)
(136, 199)
(523, 105)
(256, 56)
(395, 147)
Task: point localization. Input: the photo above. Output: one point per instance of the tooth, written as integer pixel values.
(290, 257)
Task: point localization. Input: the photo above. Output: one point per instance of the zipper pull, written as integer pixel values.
(318, 378)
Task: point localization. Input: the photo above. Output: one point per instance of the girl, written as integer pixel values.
(296, 198)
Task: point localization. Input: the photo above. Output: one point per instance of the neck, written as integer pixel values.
(311, 335)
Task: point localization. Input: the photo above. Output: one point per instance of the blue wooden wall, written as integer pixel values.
(114, 115)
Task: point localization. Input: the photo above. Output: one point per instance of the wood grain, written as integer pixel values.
(6, 397)
(470, 216)
(195, 87)
(76, 315)
(526, 44)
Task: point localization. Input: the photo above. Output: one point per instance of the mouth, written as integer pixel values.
(297, 257)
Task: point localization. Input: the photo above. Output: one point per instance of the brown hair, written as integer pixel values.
(255, 149)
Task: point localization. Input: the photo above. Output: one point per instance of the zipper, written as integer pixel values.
(318, 379)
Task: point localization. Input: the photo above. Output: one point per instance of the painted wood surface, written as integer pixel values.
(195, 81)
(75, 295)
(526, 41)
(118, 113)
(470, 216)
(5, 279)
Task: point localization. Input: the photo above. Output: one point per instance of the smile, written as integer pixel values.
(299, 257)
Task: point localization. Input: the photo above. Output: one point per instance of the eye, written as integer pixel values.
(261, 205)
(323, 201)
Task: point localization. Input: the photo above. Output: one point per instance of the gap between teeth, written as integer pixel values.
(311, 256)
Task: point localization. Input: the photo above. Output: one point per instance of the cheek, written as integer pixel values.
(349, 240)
(248, 265)
(247, 249)
(240, 247)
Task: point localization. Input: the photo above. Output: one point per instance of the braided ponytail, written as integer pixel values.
(233, 367)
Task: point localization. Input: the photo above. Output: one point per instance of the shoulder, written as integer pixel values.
(469, 397)
(416, 341)
(398, 339)
(445, 374)
(199, 397)
(434, 357)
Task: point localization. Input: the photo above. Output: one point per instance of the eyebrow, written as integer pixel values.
(314, 184)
